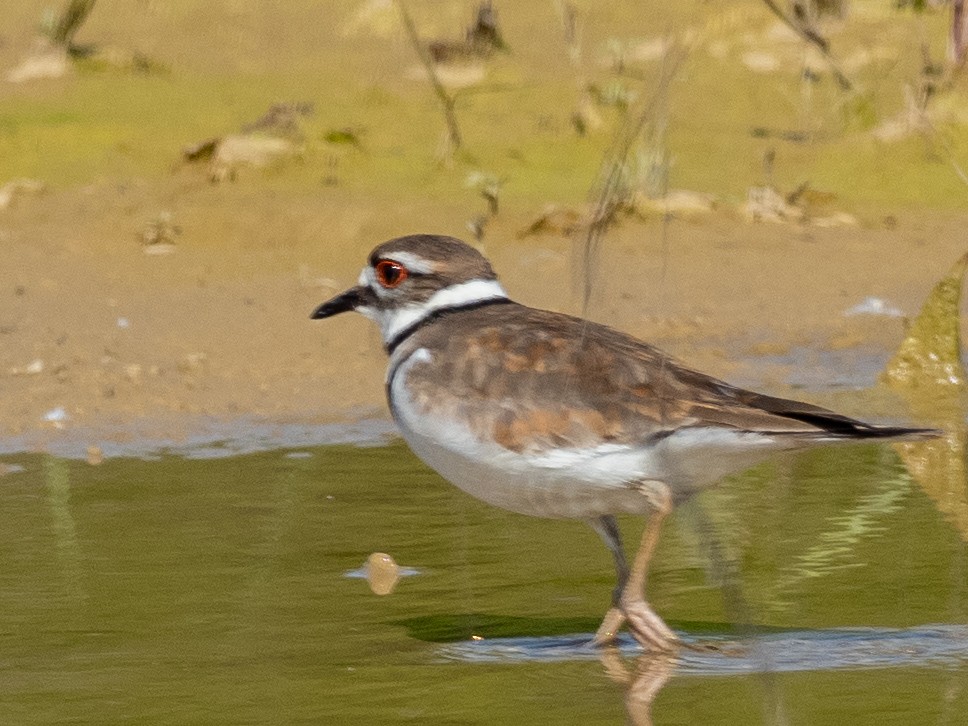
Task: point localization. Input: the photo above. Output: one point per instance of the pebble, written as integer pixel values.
(382, 573)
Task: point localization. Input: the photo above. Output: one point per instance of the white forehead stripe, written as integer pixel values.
(414, 263)
(455, 296)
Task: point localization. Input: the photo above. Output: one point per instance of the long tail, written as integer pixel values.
(895, 433)
(832, 425)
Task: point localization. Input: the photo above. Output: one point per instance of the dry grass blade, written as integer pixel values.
(70, 21)
(613, 186)
(446, 100)
(815, 39)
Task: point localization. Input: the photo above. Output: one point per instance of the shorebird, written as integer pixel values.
(551, 415)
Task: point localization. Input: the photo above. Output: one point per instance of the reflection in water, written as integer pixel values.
(206, 579)
(938, 466)
(770, 651)
(642, 682)
(766, 656)
(927, 371)
(725, 573)
(650, 673)
(836, 548)
(271, 520)
(57, 480)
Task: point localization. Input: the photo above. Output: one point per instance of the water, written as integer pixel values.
(179, 590)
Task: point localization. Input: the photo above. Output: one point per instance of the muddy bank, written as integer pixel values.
(103, 342)
(99, 337)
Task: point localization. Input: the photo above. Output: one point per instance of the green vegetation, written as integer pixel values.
(724, 111)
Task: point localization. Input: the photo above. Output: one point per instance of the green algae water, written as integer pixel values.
(824, 588)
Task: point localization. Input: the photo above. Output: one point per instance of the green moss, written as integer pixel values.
(517, 124)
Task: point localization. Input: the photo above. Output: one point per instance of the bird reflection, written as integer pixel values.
(641, 682)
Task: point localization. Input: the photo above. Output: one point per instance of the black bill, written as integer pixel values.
(344, 302)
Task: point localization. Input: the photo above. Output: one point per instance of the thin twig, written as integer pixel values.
(446, 100)
(815, 39)
(70, 21)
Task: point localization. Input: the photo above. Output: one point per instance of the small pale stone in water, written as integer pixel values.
(382, 573)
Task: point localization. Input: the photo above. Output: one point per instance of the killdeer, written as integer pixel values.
(555, 416)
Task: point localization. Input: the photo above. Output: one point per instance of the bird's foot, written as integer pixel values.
(646, 627)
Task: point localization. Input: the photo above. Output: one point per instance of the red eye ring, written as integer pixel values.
(390, 274)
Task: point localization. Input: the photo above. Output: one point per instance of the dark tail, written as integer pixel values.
(896, 433)
(834, 425)
(844, 427)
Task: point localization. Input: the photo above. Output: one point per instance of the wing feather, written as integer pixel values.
(535, 380)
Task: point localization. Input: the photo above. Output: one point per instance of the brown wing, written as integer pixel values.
(533, 380)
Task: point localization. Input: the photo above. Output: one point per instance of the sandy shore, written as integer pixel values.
(104, 344)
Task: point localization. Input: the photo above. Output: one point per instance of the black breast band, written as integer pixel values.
(435, 315)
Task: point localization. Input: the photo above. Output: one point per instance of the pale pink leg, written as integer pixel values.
(629, 604)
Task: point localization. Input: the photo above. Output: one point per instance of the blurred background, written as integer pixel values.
(183, 181)
(768, 189)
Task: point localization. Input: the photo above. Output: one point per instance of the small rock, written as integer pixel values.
(837, 219)
(46, 62)
(192, 362)
(676, 201)
(760, 61)
(158, 236)
(253, 150)
(553, 220)
(132, 372)
(766, 204)
(382, 573)
(17, 188)
(158, 249)
(35, 367)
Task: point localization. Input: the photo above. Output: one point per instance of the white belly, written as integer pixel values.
(574, 483)
(562, 483)
(512, 481)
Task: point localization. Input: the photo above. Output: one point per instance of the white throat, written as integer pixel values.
(394, 321)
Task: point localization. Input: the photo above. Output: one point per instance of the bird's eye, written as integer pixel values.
(390, 274)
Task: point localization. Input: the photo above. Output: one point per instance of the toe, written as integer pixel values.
(648, 628)
(608, 631)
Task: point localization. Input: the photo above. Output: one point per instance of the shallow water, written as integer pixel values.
(200, 590)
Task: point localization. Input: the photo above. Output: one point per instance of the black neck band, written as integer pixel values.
(437, 314)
